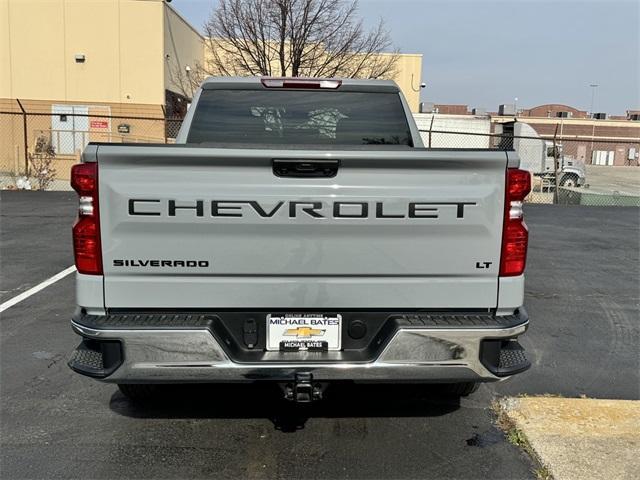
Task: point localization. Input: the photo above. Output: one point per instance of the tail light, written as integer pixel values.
(515, 235)
(86, 231)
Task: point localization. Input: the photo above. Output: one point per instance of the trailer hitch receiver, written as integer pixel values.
(303, 389)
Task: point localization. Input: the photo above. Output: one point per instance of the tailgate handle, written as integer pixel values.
(305, 168)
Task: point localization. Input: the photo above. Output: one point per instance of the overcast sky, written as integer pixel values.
(486, 52)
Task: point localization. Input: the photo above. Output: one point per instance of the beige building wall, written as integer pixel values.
(5, 50)
(183, 47)
(409, 77)
(120, 39)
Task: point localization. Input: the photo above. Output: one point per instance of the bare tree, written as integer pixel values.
(41, 162)
(309, 38)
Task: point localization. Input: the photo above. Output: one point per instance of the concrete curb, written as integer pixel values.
(576, 438)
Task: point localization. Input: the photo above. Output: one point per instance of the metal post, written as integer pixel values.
(556, 158)
(593, 86)
(164, 123)
(593, 135)
(431, 128)
(24, 135)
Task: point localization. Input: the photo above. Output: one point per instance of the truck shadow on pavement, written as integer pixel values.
(238, 401)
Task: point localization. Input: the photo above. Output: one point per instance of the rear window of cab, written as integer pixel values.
(299, 117)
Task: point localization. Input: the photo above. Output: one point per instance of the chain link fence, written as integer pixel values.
(37, 150)
(565, 170)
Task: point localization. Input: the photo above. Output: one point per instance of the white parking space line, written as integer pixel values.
(33, 290)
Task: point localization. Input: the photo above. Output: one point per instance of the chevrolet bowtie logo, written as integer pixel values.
(304, 332)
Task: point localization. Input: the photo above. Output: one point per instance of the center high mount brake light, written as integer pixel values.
(308, 83)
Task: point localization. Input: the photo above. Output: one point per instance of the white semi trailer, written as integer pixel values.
(462, 131)
(470, 131)
(537, 156)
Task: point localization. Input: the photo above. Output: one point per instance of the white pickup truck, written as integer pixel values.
(298, 232)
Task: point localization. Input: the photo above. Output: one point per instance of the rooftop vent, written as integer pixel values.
(507, 109)
(427, 107)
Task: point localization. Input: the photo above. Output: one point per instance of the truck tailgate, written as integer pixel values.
(194, 227)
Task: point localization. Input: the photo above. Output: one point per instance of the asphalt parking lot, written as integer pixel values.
(584, 339)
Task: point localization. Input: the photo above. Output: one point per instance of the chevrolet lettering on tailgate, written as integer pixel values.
(236, 208)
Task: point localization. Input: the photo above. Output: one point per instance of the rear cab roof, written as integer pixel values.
(255, 83)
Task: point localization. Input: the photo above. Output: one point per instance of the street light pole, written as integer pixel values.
(421, 86)
(593, 96)
(593, 121)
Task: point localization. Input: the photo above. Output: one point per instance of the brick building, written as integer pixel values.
(447, 109)
(591, 139)
(553, 110)
(599, 139)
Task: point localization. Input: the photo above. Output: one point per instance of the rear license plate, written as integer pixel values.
(304, 331)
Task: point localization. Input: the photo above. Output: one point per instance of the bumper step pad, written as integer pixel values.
(504, 357)
(145, 320)
(96, 359)
(512, 356)
(429, 320)
(82, 357)
(205, 320)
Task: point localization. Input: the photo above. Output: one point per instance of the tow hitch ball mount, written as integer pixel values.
(303, 389)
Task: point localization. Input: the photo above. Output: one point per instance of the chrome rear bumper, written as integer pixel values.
(194, 355)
